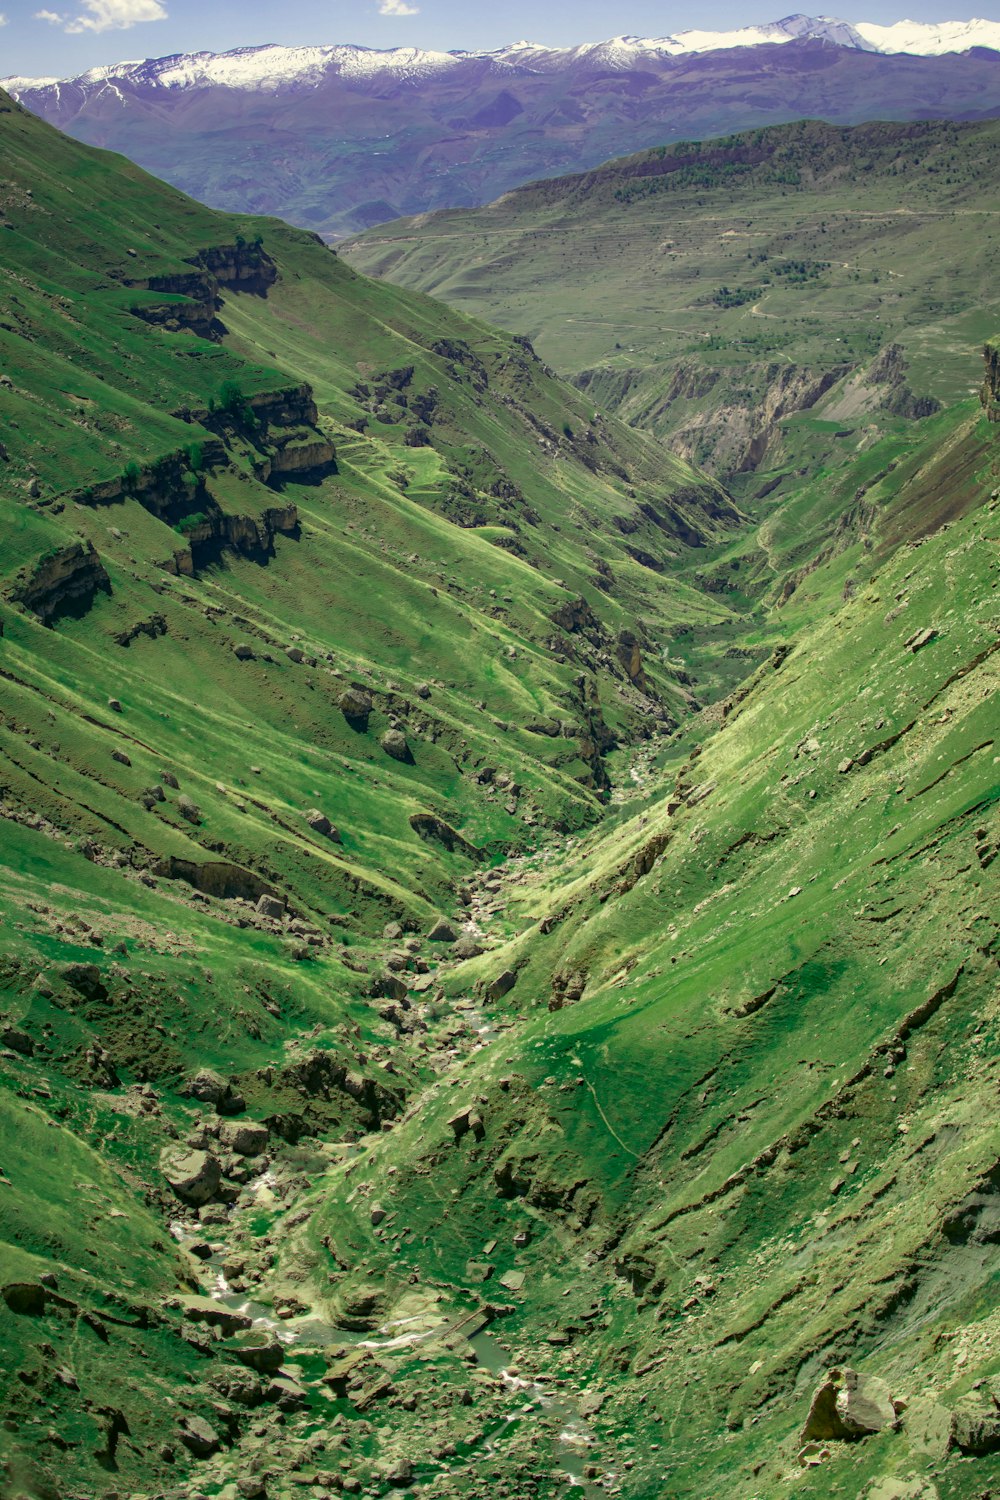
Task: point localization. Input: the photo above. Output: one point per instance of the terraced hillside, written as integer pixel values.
(766, 300)
(499, 943)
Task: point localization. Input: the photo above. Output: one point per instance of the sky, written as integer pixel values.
(37, 41)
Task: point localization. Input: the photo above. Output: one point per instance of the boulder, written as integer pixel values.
(466, 945)
(501, 985)
(394, 744)
(215, 1314)
(442, 932)
(397, 1471)
(320, 823)
(85, 979)
(194, 1176)
(206, 1086)
(465, 1120)
(976, 1429)
(188, 809)
(17, 1040)
(243, 651)
(271, 906)
(258, 1351)
(849, 1405)
(198, 1436)
(245, 1137)
(356, 705)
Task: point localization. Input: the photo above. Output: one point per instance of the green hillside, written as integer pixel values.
(499, 941)
(717, 291)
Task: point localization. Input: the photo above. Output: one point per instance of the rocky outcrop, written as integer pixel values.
(849, 1405)
(989, 391)
(435, 830)
(195, 295)
(244, 267)
(62, 583)
(169, 486)
(217, 878)
(214, 532)
(736, 437)
(306, 456)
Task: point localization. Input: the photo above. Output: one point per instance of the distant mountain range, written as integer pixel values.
(339, 138)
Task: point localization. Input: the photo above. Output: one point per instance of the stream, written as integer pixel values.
(564, 1431)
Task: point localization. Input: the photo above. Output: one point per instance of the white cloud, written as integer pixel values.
(3, 20)
(106, 15)
(397, 8)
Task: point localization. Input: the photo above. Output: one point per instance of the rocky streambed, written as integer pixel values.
(322, 1392)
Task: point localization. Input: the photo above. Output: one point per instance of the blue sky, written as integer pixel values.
(76, 34)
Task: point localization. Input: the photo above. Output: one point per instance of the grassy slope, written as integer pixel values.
(376, 586)
(743, 1144)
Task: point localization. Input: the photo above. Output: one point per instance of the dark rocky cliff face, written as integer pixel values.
(989, 393)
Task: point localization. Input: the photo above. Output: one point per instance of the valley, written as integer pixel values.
(500, 924)
(340, 138)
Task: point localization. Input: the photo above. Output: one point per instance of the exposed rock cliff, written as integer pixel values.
(61, 583)
(989, 393)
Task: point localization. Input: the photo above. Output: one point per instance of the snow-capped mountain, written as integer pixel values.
(338, 138)
(272, 67)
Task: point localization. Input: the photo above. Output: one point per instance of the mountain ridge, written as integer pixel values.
(270, 63)
(337, 147)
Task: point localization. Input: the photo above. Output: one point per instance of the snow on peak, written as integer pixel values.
(931, 38)
(272, 67)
